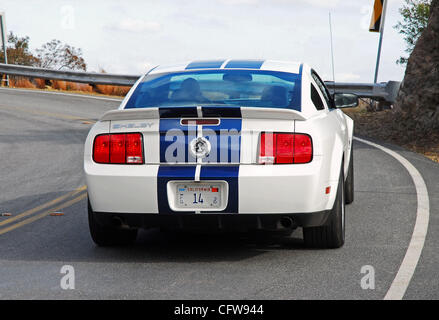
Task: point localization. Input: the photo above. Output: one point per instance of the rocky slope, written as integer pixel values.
(417, 105)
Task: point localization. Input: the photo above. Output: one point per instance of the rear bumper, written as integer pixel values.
(219, 222)
(265, 190)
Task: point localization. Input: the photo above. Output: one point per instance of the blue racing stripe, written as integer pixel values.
(171, 173)
(225, 140)
(213, 64)
(177, 112)
(244, 64)
(222, 112)
(174, 141)
(225, 173)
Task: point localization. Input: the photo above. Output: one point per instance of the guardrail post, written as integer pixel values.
(4, 42)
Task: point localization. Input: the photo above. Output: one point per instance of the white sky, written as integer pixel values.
(129, 36)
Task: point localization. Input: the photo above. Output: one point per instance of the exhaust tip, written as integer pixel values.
(118, 222)
(286, 222)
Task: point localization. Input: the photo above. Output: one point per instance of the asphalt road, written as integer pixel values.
(41, 150)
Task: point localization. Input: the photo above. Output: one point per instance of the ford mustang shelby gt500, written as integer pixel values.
(234, 144)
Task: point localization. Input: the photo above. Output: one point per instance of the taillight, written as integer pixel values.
(133, 145)
(284, 148)
(117, 148)
(125, 148)
(302, 148)
(281, 148)
(267, 152)
(101, 149)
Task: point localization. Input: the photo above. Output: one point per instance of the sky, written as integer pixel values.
(128, 37)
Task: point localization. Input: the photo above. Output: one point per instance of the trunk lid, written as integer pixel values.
(179, 134)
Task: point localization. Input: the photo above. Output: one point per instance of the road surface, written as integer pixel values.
(41, 153)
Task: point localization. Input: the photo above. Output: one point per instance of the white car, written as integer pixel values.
(225, 145)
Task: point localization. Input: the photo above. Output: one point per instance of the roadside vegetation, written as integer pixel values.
(415, 14)
(413, 121)
(52, 55)
(381, 125)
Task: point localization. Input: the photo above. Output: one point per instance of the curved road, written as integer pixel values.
(41, 148)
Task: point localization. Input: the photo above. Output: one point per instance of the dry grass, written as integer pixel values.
(59, 85)
(71, 86)
(362, 108)
(381, 126)
(40, 83)
(104, 89)
(19, 82)
(112, 90)
(108, 90)
(121, 91)
(74, 86)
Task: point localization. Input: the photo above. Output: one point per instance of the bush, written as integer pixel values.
(40, 83)
(20, 82)
(59, 85)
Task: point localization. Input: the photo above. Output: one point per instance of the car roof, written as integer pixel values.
(231, 64)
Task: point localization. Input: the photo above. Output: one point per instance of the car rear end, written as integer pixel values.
(259, 170)
(208, 166)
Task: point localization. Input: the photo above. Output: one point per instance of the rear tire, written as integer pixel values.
(349, 184)
(108, 236)
(332, 234)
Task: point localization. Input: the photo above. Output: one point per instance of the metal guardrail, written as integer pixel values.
(385, 92)
(73, 76)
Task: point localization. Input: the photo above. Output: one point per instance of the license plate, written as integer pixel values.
(199, 196)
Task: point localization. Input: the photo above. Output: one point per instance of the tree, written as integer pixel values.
(418, 98)
(56, 55)
(415, 15)
(18, 51)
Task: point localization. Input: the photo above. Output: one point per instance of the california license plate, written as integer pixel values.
(199, 196)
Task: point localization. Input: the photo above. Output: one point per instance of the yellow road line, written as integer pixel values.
(42, 215)
(42, 206)
(49, 114)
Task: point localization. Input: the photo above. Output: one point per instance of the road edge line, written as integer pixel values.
(413, 254)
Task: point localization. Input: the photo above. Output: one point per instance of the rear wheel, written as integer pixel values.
(332, 234)
(349, 184)
(108, 236)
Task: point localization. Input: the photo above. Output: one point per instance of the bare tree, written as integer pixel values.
(56, 55)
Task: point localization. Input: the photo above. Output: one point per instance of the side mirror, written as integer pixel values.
(346, 100)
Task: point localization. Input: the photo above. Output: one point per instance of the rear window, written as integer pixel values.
(248, 88)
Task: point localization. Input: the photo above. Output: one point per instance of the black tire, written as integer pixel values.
(332, 234)
(349, 184)
(108, 236)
